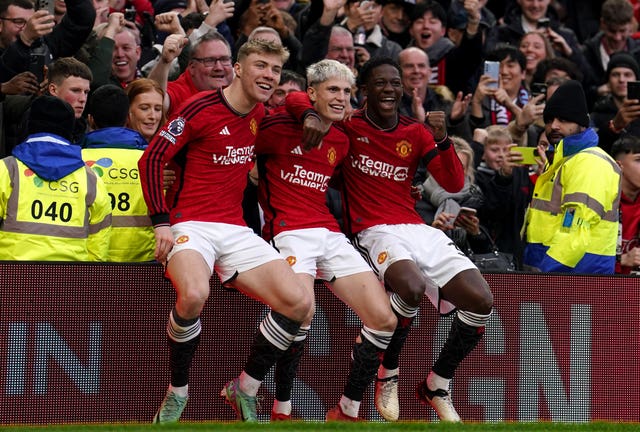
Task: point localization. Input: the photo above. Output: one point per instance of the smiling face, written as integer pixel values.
(126, 54)
(145, 113)
(495, 153)
(259, 75)
(330, 98)
(511, 76)
(533, 10)
(615, 35)
(279, 95)
(384, 91)
(415, 69)
(426, 30)
(341, 48)
(534, 49)
(208, 76)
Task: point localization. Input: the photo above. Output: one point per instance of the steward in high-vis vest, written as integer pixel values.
(113, 154)
(113, 151)
(572, 223)
(52, 206)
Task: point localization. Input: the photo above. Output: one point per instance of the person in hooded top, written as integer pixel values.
(113, 151)
(52, 206)
(571, 225)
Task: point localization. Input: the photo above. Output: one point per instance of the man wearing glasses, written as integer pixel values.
(210, 67)
(13, 17)
(37, 29)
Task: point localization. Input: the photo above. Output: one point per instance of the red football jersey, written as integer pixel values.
(293, 183)
(380, 167)
(213, 145)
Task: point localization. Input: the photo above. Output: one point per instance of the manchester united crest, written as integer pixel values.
(182, 239)
(291, 260)
(253, 126)
(382, 257)
(332, 156)
(403, 148)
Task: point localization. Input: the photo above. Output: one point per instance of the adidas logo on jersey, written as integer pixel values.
(225, 131)
(363, 139)
(297, 150)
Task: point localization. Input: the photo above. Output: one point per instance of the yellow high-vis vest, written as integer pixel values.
(68, 219)
(132, 235)
(572, 222)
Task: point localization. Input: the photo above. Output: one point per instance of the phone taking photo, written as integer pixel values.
(529, 155)
(544, 23)
(48, 5)
(492, 68)
(633, 90)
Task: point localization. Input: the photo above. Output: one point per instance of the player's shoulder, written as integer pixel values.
(199, 102)
(280, 119)
(406, 121)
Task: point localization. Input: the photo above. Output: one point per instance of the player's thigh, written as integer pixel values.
(274, 284)
(364, 293)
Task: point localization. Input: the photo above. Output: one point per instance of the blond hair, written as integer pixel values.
(261, 46)
(497, 133)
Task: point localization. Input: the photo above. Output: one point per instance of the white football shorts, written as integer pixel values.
(228, 249)
(322, 253)
(434, 253)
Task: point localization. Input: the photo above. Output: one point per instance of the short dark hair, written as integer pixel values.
(617, 12)
(504, 51)
(64, 67)
(22, 4)
(291, 76)
(108, 106)
(436, 9)
(625, 145)
(369, 66)
(560, 63)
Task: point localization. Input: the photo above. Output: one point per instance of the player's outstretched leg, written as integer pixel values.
(285, 374)
(183, 337)
(386, 394)
(366, 359)
(466, 331)
(272, 339)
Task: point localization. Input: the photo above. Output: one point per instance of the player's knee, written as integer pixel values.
(387, 322)
(482, 301)
(312, 311)
(193, 299)
(303, 308)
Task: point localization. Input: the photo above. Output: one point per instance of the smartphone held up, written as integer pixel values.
(492, 68)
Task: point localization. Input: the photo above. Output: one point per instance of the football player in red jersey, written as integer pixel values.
(298, 223)
(411, 258)
(212, 136)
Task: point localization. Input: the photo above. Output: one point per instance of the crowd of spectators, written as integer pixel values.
(96, 55)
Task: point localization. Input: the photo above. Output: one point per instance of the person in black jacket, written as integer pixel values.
(41, 37)
(616, 114)
(616, 28)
